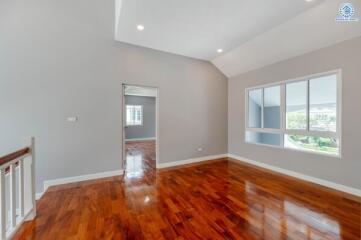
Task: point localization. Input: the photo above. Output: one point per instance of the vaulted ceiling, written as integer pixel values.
(251, 33)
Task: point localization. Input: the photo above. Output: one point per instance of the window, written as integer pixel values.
(263, 138)
(300, 114)
(134, 115)
(255, 108)
(272, 106)
(323, 95)
(296, 105)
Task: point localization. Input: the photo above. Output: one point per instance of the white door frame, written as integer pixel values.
(157, 142)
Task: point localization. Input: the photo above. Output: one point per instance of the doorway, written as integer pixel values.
(140, 130)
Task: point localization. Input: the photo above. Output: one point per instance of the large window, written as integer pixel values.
(300, 114)
(134, 115)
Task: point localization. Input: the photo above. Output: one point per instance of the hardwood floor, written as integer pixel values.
(140, 159)
(220, 199)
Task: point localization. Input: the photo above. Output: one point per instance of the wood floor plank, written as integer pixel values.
(219, 199)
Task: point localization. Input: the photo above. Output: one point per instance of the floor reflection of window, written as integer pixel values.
(314, 225)
(134, 166)
(274, 217)
(264, 212)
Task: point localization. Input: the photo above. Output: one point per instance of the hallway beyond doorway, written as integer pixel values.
(140, 158)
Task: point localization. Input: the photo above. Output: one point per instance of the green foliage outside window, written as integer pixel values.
(319, 144)
(296, 120)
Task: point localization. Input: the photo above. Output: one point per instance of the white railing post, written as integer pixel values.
(2, 205)
(29, 179)
(21, 187)
(12, 196)
(32, 146)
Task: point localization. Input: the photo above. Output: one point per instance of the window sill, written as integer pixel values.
(296, 150)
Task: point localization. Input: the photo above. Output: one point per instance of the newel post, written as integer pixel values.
(29, 176)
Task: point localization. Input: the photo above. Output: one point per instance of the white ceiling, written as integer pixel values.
(140, 91)
(309, 31)
(253, 33)
(197, 28)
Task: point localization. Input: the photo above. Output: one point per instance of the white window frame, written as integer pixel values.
(141, 116)
(282, 130)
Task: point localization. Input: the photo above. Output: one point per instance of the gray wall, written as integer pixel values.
(147, 129)
(59, 59)
(347, 56)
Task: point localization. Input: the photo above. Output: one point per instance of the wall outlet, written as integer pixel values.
(200, 149)
(72, 119)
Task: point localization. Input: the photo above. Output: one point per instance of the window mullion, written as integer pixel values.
(308, 106)
(262, 109)
(247, 109)
(283, 113)
(133, 115)
(265, 130)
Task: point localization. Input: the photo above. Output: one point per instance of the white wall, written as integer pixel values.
(345, 56)
(59, 59)
(192, 101)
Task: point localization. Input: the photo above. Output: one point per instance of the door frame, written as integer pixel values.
(157, 142)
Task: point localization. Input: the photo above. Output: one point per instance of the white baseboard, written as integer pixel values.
(329, 184)
(59, 181)
(140, 139)
(192, 160)
(38, 195)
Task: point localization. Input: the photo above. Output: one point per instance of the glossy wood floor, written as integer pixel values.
(221, 199)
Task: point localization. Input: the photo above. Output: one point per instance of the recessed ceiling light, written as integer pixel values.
(220, 50)
(309, 0)
(140, 27)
